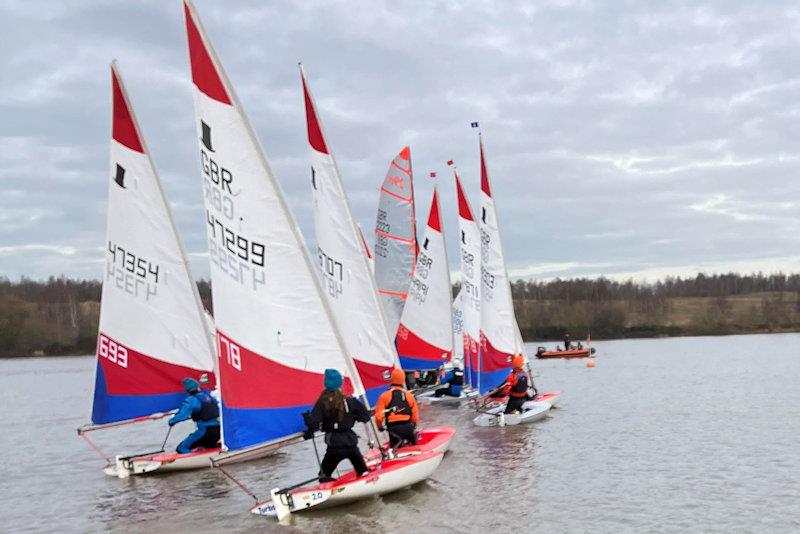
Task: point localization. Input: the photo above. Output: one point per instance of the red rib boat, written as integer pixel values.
(583, 352)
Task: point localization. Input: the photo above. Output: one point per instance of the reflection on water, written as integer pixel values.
(690, 434)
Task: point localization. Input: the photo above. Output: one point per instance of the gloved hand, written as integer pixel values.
(308, 434)
(171, 422)
(382, 428)
(306, 414)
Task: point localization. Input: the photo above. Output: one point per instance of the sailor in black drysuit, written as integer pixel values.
(336, 414)
(203, 409)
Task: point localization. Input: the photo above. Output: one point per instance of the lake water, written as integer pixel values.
(667, 435)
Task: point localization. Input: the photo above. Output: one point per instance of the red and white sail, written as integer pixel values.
(275, 333)
(425, 335)
(346, 277)
(395, 238)
(152, 330)
(470, 247)
(499, 338)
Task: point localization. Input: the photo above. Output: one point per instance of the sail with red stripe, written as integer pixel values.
(470, 247)
(152, 330)
(425, 334)
(499, 338)
(395, 238)
(347, 279)
(275, 336)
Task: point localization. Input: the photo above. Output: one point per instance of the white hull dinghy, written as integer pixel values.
(383, 478)
(153, 330)
(161, 462)
(448, 400)
(531, 411)
(167, 462)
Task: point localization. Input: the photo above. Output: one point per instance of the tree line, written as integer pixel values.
(60, 315)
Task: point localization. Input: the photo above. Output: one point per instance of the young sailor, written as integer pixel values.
(398, 408)
(515, 386)
(336, 414)
(203, 409)
(454, 378)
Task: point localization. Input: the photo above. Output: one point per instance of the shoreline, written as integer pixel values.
(70, 354)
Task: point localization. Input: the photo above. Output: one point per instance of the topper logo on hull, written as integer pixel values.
(119, 179)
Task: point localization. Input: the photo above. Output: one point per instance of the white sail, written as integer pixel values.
(344, 269)
(470, 248)
(274, 330)
(499, 331)
(458, 327)
(152, 330)
(425, 335)
(395, 238)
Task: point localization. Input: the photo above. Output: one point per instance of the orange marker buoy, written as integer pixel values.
(589, 363)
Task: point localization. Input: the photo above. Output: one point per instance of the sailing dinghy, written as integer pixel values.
(532, 411)
(152, 330)
(395, 238)
(425, 334)
(500, 337)
(347, 278)
(271, 361)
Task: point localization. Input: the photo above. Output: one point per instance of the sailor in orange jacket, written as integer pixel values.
(515, 387)
(398, 408)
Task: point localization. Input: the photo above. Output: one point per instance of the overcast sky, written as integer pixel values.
(624, 138)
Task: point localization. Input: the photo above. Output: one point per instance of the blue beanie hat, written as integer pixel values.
(333, 379)
(190, 384)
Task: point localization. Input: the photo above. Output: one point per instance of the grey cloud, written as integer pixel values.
(623, 137)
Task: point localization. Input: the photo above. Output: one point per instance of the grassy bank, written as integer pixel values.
(761, 312)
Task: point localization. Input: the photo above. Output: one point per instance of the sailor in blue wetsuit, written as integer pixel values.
(454, 378)
(203, 409)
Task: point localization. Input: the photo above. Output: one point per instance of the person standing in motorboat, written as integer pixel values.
(203, 409)
(454, 378)
(567, 342)
(398, 409)
(336, 414)
(515, 387)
